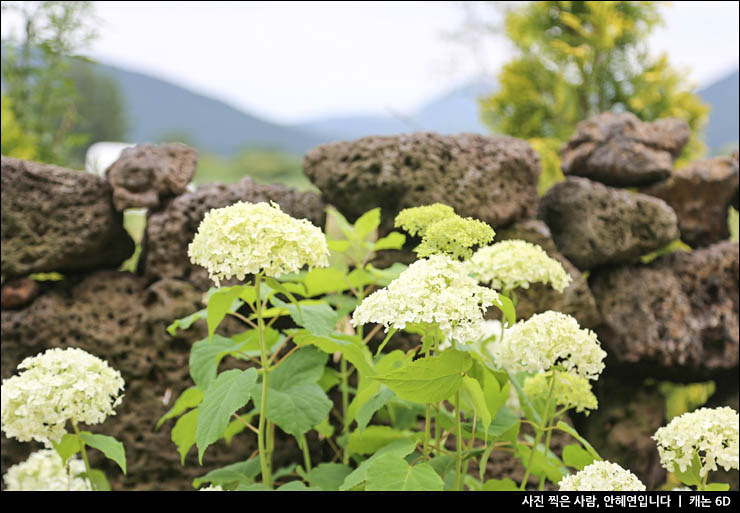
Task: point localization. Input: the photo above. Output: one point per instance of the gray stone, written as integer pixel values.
(701, 193)
(171, 230)
(619, 149)
(57, 219)
(576, 300)
(594, 225)
(147, 174)
(493, 179)
(676, 317)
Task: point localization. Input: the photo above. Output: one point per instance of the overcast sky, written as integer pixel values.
(294, 61)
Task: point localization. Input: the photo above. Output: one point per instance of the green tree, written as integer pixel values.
(15, 141)
(35, 74)
(577, 59)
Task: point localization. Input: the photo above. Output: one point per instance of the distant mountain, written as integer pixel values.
(723, 118)
(454, 112)
(157, 107)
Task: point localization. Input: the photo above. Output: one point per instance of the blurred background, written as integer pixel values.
(253, 85)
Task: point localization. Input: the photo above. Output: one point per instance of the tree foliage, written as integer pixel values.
(577, 59)
(15, 141)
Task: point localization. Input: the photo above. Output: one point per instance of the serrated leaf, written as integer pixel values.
(692, 475)
(329, 379)
(100, 482)
(376, 402)
(576, 456)
(321, 281)
(393, 240)
(428, 380)
(183, 433)
(341, 221)
(376, 437)
(234, 428)
(319, 319)
(67, 447)
(329, 476)
(205, 357)
(297, 486)
(398, 448)
(367, 222)
(304, 367)
(350, 346)
(384, 276)
(391, 473)
(500, 485)
(219, 304)
(572, 432)
(185, 322)
(230, 391)
(478, 400)
(242, 472)
(112, 448)
(338, 246)
(550, 465)
(189, 398)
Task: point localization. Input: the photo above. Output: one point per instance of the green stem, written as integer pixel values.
(84, 456)
(547, 448)
(459, 444)
(261, 442)
(345, 405)
(306, 454)
(538, 435)
(427, 431)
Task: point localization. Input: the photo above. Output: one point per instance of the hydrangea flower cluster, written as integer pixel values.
(442, 231)
(434, 290)
(710, 433)
(569, 390)
(547, 339)
(512, 264)
(45, 471)
(211, 488)
(58, 385)
(248, 238)
(602, 476)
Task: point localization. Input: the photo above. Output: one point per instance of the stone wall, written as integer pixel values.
(675, 318)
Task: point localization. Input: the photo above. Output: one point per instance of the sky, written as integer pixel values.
(292, 62)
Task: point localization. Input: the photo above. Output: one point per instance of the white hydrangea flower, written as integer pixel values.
(712, 433)
(211, 488)
(246, 238)
(569, 390)
(513, 264)
(44, 471)
(58, 385)
(547, 339)
(436, 290)
(601, 476)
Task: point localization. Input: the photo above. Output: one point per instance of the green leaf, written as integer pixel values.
(234, 428)
(428, 380)
(398, 448)
(297, 486)
(329, 476)
(376, 402)
(576, 456)
(112, 448)
(185, 322)
(230, 391)
(350, 346)
(319, 319)
(205, 357)
(295, 401)
(367, 222)
(183, 433)
(338, 246)
(391, 473)
(478, 400)
(219, 304)
(393, 240)
(500, 485)
(375, 437)
(321, 281)
(384, 276)
(572, 432)
(507, 308)
(100, 482)
(67, 447)
(549, 465)
(691, 476)
(276, 285)
(242, 472)
(341, 221)
(717, 487)
(250, 339)
(329, 379)
(189, 398)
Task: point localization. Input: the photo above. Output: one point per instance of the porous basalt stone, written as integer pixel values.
(490, 178)
(701, 193)
(618, 149)
(57, 219)
(576, 300)
(18, 293)
(676, 318)
(147, 174)
(171, 230)
(594, 225)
